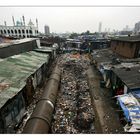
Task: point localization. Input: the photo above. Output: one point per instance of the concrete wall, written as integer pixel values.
(137, 52)
(17, 48)
(11, 113)
(125, 49)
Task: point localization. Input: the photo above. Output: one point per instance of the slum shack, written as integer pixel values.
(128, 47)
(45, 43)
(127, 75)
(104, 60)
(99, 44)
(20, 75)
(18, 46)
(71, 45)
(52, 51)
(126, 87)
(129, 112)
(122, 76)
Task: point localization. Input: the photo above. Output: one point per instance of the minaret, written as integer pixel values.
(21, 23)
(100, 27)
(5, 23)
(5, 27)
(23, 20)
(24, 26)
(37, 23)
(13, 20)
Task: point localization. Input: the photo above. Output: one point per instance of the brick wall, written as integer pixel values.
(126, 49)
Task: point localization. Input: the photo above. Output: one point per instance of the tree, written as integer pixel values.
(73, 35)
(87, 32)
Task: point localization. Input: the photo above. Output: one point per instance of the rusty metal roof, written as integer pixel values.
(15, 70)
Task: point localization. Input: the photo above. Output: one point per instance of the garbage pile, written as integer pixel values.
(29, 110)
(73, 111)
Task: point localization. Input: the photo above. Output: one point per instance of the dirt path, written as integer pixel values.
(106, 119)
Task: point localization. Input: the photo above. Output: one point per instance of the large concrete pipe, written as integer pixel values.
(40, 120)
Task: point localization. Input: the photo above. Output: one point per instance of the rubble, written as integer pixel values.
(29, 110)
(73, 111)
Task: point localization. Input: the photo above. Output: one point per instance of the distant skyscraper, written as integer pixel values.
(100, 27)
(108, 30)
(137, 28)
(47, 30)
(126, 28)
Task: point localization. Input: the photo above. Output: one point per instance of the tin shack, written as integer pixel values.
(20, 75)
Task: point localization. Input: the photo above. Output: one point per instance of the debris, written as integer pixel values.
(73, 98)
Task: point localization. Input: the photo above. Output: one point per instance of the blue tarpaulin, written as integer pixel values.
(130, 107)
(125, 110)
(136, 92)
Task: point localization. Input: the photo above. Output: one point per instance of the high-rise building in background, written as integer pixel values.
(100, 27)
(137, 28)
(108, 30)
(47, 30)
(126, 28)
(19, 28)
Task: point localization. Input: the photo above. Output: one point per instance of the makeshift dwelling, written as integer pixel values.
(131, 111)
(20, 75)
(128, 47)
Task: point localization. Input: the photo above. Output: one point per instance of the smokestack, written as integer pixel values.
(21, 23)
(13, 20)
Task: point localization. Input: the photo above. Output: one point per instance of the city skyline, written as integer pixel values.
(74, 19)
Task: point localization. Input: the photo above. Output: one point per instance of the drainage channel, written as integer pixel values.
(73, 110)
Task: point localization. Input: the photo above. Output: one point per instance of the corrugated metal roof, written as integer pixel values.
(127, 39)
(45, 49)
(15, 70)
(130, 77)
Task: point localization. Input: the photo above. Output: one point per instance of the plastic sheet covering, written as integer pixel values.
(131, 109)
(136, 93)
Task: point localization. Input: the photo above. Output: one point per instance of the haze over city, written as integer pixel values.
(74, 19)
(70, 67)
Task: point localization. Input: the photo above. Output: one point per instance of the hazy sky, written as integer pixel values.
(74, 19)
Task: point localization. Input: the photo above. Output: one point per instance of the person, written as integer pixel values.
(89, 44)
(120, 91)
